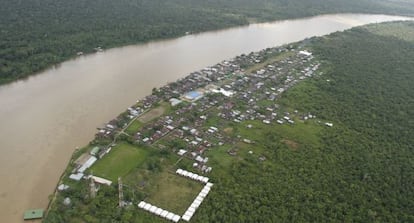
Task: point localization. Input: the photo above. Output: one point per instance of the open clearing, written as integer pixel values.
(152, 114)
(119, 162)
(173, 192)
(291, 144)
(268, 61)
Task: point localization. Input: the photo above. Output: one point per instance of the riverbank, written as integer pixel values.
(47, 116)
(60, 31)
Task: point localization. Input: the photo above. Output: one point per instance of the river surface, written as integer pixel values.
(45, 117)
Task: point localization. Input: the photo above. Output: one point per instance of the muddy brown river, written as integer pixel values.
(44, 118)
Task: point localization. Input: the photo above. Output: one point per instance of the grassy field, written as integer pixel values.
(173, 192)
(156, 112)
(218, 156)
(119, 162)
(134, 127)
(298, 136)
(302, 132)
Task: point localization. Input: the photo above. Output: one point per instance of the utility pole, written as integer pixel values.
(121, 193)
(92, 188)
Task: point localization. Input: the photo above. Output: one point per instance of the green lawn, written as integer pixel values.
(218, 156)
(134, 127)
(120, 161)
(301, 132)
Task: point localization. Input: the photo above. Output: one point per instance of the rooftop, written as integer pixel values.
(33, 214)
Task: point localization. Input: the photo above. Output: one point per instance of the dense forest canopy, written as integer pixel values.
(35, 34)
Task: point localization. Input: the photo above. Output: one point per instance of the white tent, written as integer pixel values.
(201, 195)
(194, 205)
(153, 209)
(170, 216)
(189, 213)
(197, 202)
(186, 217)
(164, 213)
(191, 210)
(200, 198)
(141, 204)
(147, 207)
(176, 218)
(179, 171)
(209, 184)
(158, 211)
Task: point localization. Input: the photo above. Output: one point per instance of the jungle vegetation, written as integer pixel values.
(36, 34)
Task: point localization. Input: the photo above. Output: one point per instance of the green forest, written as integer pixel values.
(359, 170)
(363, 168)
(35, 34)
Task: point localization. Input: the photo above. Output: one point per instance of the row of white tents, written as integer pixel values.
(197, 202)
(193, 176)
(158, 211)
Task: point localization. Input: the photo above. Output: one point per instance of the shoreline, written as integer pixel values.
(75, 56)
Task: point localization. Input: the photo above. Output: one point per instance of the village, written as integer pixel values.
(220, 106)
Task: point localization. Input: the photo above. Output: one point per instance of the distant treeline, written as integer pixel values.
(35, 34)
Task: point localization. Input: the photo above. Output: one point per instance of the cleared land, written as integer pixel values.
(268, 61)
(152, 114)
(173, 192)
(119, 162)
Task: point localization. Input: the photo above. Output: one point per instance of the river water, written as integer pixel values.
(44, 118)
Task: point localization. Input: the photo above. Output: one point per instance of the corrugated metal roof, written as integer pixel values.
(95, 150)
(33, 214)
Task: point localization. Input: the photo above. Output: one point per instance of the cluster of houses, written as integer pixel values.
(235, 95)
(227, 78)
(256, 94)
(111, 128)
